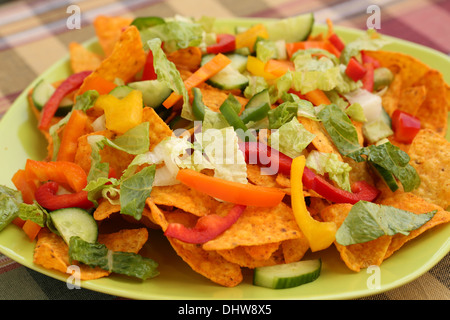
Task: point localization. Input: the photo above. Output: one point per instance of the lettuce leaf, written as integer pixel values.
(10, 201)
(338, 171)
(291, 138)
(368, 221)
(370, 41)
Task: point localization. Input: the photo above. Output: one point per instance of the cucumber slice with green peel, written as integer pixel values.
(75, 222)
(288, 275)
(229, 78)
(121, 92)
(292, 29)
(154, 92)
(42, 93)
(238, 61)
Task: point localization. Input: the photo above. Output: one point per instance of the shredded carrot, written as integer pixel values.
(74, 129)
(202, 74)
(330, 28)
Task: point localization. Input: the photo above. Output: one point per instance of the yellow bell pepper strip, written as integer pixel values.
(256, 67)
(202, 74)
(121, 114)
(230, 191)
(248, 37)
(320, 235)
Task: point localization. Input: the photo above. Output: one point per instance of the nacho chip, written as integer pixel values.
(186, 58)
(127, 58)
(413, 203)
(430, 156)
(185, 198)
(361, 255)
(322, 141)
(208, 263)
(391, 97)
(240, 256)
(294, 249)
(263, 251)
(159, 130)
(156, 215)
(411, 99)
(409, 68)
(434, 110)
(105, 209)
(52, 252)
(125, 240)
(257, 226)
(108, 31)
(81, 59)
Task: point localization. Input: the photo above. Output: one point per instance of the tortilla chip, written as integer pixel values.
(361, 255)
(433, 112)
(125, 240)
(52, 253)
(256, 226)
(391, 97)
(430, 156)
(159, 130)
(208, 263)
(322, 141)
(127, 58)
(81, 59)
(185, 198)
(413, 203)
(294, 249)
(263, 251)
(214, 97)
(108, 31)
(105, 209)
(240, 256)
(409, 68)
(411, 99)
(156, 214)
(186, 58)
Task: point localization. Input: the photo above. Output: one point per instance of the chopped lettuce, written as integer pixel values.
(10, 201)
(370, 41)
(338, 171)
(291, 138)
(368, 221)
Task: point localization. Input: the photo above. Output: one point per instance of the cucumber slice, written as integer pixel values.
(121, 92)
(154, 92)
(43, 91)
(288, 275)
(75, 222)
(291, 29)
(229, 77)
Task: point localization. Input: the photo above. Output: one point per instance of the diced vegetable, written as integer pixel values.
(225, 43)
(75, 222)
(405, 126)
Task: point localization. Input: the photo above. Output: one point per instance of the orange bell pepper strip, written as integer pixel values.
(74, 129)
(99, 84)
(202, 74)
(293, 47)
(278, 67)
(31, 229)
(320, 235)
(25, 186)
(230, 191)
(66, 173)
(317, 97)
(249, 37)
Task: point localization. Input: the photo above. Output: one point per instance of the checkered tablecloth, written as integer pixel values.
(34, 34)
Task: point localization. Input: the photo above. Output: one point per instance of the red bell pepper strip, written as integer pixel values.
(46, 196)
(368, 59)
(405, 126)
(368, 80)
(337, 42)
(69, 85)
(258, 153)
(207, 227)
(149, 69)
(261, 154)
(361, 190)
(355, 70)
(225, 43)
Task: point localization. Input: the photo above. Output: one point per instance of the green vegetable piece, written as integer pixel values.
(368, 221)
(146, 22)
(198, 107)
(10, 201)
(98, 255)
(382, 77)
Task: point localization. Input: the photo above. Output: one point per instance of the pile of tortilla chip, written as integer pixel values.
(261, 236)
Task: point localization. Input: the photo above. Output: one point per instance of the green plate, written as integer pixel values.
(19, 140)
